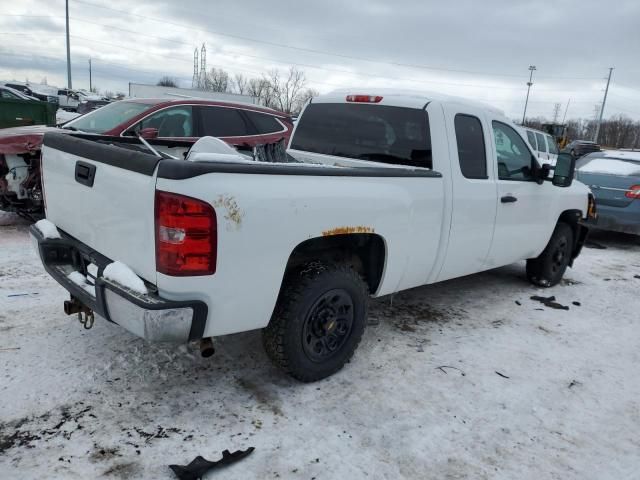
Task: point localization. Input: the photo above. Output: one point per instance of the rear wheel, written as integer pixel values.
(547, 270)
(318, 322)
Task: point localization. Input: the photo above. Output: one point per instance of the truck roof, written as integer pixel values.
(402, 98)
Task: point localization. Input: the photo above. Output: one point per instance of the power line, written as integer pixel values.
(311, 50)
(299, 64)
(179, 42)
(616, 107)
(348, 72)
(98, 67)
(625, 97)
(100, 60)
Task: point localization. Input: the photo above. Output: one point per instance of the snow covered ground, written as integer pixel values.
(465, 379)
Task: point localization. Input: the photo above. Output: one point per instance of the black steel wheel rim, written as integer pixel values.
(327, 325)
(560, 256)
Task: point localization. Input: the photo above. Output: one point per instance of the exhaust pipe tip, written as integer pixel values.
(206, 347)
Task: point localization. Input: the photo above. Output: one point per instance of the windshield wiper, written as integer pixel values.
(73, 129)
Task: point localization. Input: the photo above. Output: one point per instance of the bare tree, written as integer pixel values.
(304, 97)
(617, 131)
(167, 81)
(217, 80)
(286, 89)
(241, 83)
(260, 88)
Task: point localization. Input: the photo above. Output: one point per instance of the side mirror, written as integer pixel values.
(149, 133)
(564, 170)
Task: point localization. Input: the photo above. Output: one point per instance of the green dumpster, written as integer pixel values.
(19, 112)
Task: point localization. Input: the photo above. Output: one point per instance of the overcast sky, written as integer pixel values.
(476, 49)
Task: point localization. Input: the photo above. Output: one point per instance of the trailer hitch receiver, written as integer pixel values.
(85, 314)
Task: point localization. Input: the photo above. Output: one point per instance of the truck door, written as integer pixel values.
(474, 192)
(523, 214)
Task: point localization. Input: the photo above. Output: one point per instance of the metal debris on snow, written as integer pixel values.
(199, 466)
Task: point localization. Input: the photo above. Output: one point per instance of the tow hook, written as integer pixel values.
(206, 347)
(85, 314)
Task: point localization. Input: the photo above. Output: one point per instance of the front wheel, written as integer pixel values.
(547, 270)
(318, 322)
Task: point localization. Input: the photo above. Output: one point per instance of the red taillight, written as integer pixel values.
(634, 192)
(186, 235)
(364, 98)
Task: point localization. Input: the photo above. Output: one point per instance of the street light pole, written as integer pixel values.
(68, 48)
(529, 83)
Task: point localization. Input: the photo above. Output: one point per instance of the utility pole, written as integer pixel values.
(565, 112)
(606, 91)
(68, 48)
(90, 85)
(529, 83)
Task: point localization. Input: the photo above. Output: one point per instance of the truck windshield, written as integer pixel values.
(107, 117)
(380, 133)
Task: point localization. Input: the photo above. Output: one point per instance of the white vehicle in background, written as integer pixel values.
(381, 192)
(543, 144)
(72, 99)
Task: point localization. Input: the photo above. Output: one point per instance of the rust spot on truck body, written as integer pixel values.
(233, 213)
(347, 230)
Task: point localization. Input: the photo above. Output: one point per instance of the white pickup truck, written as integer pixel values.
(380, 193)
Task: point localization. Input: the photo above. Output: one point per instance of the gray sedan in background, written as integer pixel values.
(614, 179)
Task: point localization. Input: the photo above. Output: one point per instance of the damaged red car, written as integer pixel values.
(169, 125)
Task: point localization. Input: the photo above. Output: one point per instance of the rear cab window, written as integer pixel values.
(553, 146)
(471, 148)
(380, 133)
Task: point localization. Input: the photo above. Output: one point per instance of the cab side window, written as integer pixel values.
(532, 139)
(514, 157)
(171, 123)
(471, 149)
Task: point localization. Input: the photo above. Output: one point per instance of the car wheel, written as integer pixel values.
(318, 321)
(547, 270)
